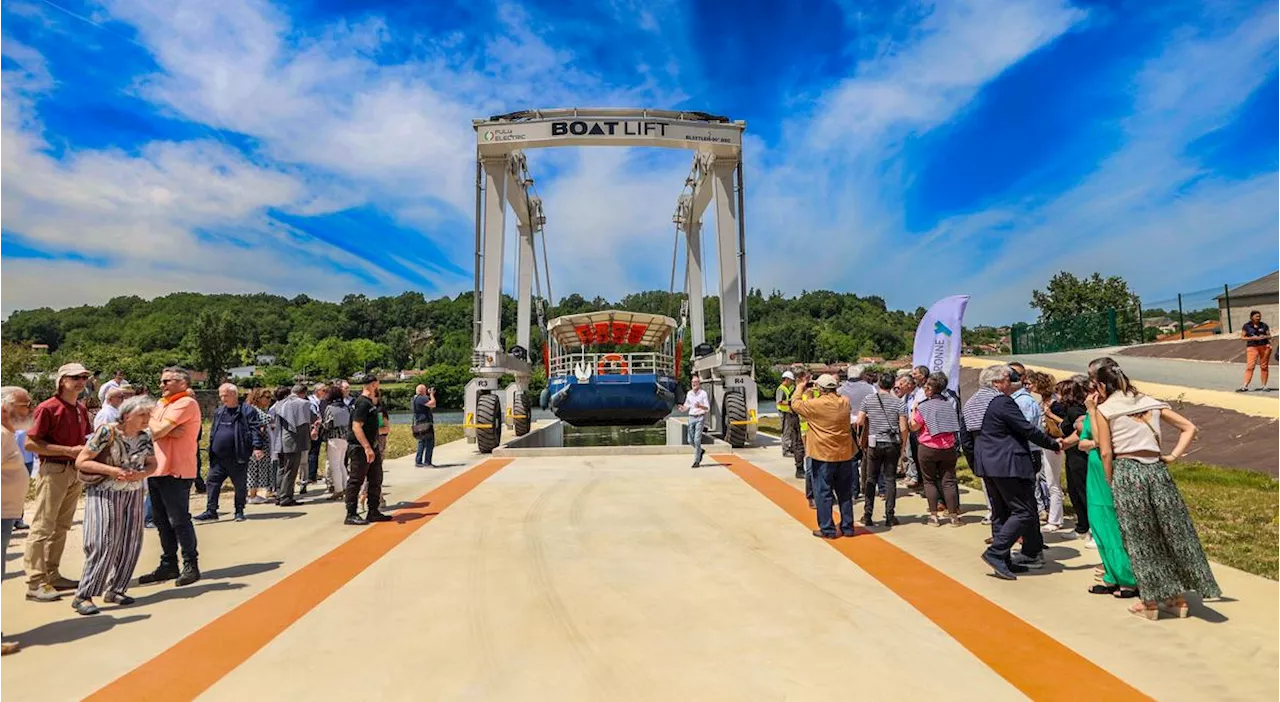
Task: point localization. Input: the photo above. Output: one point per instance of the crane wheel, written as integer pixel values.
(520, 413)
(735, 413)
(489, 419)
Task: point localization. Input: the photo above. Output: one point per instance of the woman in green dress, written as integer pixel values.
(1118, 576)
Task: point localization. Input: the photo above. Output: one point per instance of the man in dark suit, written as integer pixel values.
(1003, 460)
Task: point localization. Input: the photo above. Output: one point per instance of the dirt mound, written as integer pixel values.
(1227, 438)
(1230, 350)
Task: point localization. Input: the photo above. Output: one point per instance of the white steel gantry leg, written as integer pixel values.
(487, 359)
(693, 284)
(524, 308)
(495, 220)
(727, 254)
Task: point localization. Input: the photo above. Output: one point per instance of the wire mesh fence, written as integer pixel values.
(1087, 331)
(1188, 315)
(1212, 311)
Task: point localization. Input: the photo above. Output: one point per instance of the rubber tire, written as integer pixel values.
(488, 411)
(521, 406)
(735, 410)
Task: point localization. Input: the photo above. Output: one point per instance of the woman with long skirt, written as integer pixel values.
(117, 459)
(1168, 559)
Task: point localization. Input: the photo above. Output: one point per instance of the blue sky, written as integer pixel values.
(906, 150)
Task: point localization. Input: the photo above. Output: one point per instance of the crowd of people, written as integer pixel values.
(138, 459)
(1020, 433)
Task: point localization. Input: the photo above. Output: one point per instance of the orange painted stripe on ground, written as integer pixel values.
(1032, 661)
(195, 663)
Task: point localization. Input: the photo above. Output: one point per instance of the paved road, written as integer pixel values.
(623, 577)
(1194, 374)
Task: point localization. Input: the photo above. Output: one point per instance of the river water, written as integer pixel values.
(455, 416)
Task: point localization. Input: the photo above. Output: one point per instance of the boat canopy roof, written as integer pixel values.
(611, 327)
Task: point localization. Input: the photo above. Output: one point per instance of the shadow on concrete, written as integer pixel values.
(1198, 609)
(265, 516)
(69, 630)
(407, 505)
(243, 570)
(405, 517)
(261, 516)
(185, 593)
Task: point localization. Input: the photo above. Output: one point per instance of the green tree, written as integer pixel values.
(399, 348)
(1068, 296)
(368, 354)
(213, 339)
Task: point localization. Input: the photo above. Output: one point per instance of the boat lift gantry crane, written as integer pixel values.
(503, 180)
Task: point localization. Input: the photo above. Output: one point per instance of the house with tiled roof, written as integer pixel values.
(1262, 294)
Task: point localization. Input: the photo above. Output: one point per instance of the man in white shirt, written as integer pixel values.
(697, 404)
(110, 412)
(115, 382)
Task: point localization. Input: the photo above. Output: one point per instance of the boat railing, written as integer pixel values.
(613, 364)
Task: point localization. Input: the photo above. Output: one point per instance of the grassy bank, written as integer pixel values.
(400, 441)
(1235, 511)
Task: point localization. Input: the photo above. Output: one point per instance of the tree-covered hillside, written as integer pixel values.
(326, 339)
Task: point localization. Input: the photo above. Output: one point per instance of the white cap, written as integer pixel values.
(788, 375)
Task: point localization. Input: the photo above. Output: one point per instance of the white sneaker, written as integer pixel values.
(1090, 542)
(986, 520)
(1050, 529)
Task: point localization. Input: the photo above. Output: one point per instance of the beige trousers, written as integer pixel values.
(58, 489)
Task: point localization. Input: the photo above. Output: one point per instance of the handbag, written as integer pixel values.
(91, 479)
(422, 429)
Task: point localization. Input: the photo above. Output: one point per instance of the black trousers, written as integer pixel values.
(360, 470)
(313, 461)
(1077, 476)
(219, 470)
(880, 460)
(171, 512)
(1014, 515)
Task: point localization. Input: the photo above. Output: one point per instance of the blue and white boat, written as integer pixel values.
(612, 368)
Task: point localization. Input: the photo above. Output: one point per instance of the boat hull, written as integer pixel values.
(613, 400)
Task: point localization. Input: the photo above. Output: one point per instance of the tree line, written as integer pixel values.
(288, 337)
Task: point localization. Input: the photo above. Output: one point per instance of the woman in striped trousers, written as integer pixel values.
(115, 464)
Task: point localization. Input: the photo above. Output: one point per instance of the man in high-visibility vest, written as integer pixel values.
(804, 466)
(782, 398)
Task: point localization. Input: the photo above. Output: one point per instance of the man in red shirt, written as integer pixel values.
(60, 426)
(175, 429)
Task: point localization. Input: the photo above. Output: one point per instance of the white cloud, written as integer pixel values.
(1150, 212)
(150, 215)
(836, 183)
(335, 125)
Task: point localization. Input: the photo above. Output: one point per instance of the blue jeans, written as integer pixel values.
(833, 479)
(6, 527)
(426, 447)
(696, 426)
